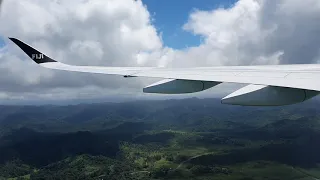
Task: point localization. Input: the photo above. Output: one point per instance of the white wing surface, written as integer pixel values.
(273, 80)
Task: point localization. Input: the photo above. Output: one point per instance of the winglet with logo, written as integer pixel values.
(34, 54)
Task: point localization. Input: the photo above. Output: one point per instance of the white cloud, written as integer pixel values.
(78, 32)
(255, 30)
(121, 33)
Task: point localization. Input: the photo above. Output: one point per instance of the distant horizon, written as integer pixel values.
(124, 100)
(95, 101)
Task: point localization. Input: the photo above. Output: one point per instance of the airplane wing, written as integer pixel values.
(268, 85)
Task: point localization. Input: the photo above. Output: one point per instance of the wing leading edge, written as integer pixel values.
(302, 76)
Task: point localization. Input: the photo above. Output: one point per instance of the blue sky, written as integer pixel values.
(171, 15)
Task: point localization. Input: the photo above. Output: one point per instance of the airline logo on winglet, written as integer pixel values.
(37, 56)
(34, 54)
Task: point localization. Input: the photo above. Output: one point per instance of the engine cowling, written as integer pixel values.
(177, 86)
(260, 95)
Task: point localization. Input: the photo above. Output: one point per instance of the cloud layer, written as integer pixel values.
(121, 33)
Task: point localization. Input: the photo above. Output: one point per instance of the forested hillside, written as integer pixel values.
(170, 139)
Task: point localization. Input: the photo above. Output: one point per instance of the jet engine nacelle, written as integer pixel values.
(260, 95)
(177, 86)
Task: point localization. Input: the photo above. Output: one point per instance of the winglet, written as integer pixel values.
(34, 54)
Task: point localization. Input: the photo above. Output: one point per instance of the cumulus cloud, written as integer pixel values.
(121, 33)
(258, 32)
(99, 32)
